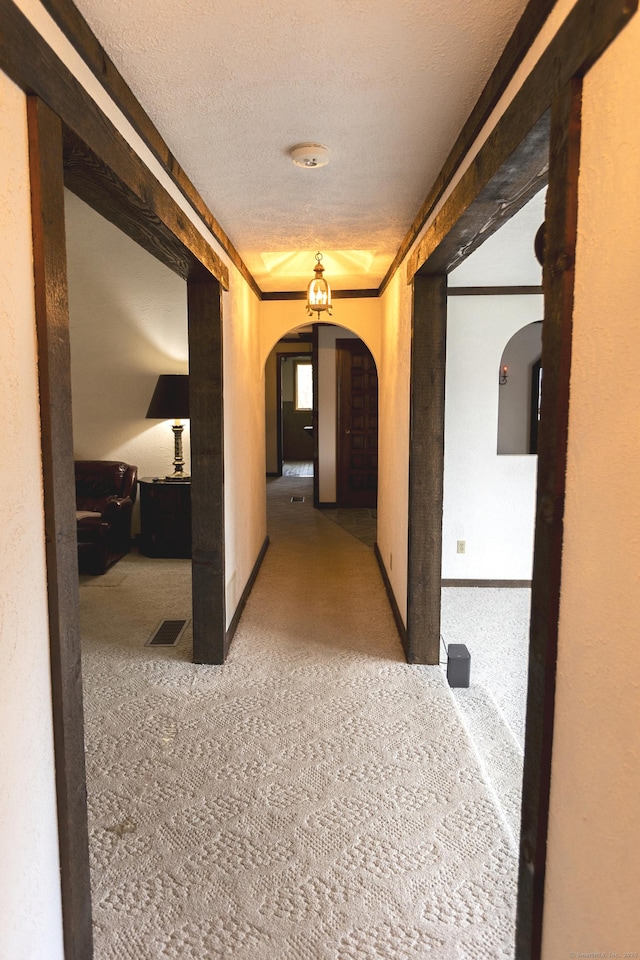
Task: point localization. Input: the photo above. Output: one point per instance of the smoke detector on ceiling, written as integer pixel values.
(310, 155)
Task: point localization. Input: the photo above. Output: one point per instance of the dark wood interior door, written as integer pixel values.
(357, 467)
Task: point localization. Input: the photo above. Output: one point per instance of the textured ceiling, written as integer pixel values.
(232, 85)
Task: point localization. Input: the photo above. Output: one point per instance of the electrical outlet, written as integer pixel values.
(462, 546)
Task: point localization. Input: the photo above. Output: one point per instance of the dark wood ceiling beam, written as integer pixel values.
(585, 34)
(485, 210)
(90, 178)
(527, 28)
(583, 37)
(31, 63)
(81, 36)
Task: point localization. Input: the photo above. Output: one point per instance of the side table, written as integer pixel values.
(165, 517)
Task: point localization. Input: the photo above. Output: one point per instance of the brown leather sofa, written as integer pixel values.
(105, 494)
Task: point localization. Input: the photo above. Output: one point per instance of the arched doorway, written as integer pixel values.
(343, 419)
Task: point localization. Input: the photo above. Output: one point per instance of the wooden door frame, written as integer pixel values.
(315, 420)
(211, 639)
(421, 639)
(54, 374)
(513, 183)
(280, 356)
(116, 183)
(342, 346)
(551, 95)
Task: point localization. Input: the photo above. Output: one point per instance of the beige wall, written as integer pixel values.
(593, 874)
(362, 317)
(244, 437)
(393, 441)
(30, 911)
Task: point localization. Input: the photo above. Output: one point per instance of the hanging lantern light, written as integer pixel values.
(319, 291)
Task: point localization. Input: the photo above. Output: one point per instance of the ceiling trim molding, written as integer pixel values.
(81, 36)
(527, 29)
(335, 294)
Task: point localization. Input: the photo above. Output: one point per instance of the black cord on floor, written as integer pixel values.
(443, 663)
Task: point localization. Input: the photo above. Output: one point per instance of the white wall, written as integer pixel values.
(489, 500)
(31, 924)
(593, 866)
(128, 324)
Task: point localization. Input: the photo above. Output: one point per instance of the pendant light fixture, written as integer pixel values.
(319, 291)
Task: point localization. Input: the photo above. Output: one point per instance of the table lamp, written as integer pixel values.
(170, 401)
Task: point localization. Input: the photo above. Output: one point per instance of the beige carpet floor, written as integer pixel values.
(313, 799)
(494, 624)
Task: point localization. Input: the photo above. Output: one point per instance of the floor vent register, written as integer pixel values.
(167, 633)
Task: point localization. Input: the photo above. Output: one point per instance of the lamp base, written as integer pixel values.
(178, 478)
(178, 475)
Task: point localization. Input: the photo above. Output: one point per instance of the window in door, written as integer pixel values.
(303, 385)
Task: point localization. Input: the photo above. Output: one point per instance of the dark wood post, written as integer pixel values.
(207, 467)
(426, 467)
(316, 440)
(54, 367)
(558, 283)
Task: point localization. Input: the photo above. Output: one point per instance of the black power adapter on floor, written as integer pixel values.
(458, 665)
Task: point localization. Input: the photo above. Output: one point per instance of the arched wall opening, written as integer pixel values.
(359, 317)
(285, 439)
(325, 345)
(363, 317)
(519, 391)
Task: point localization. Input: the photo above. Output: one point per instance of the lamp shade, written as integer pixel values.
(170, 400)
